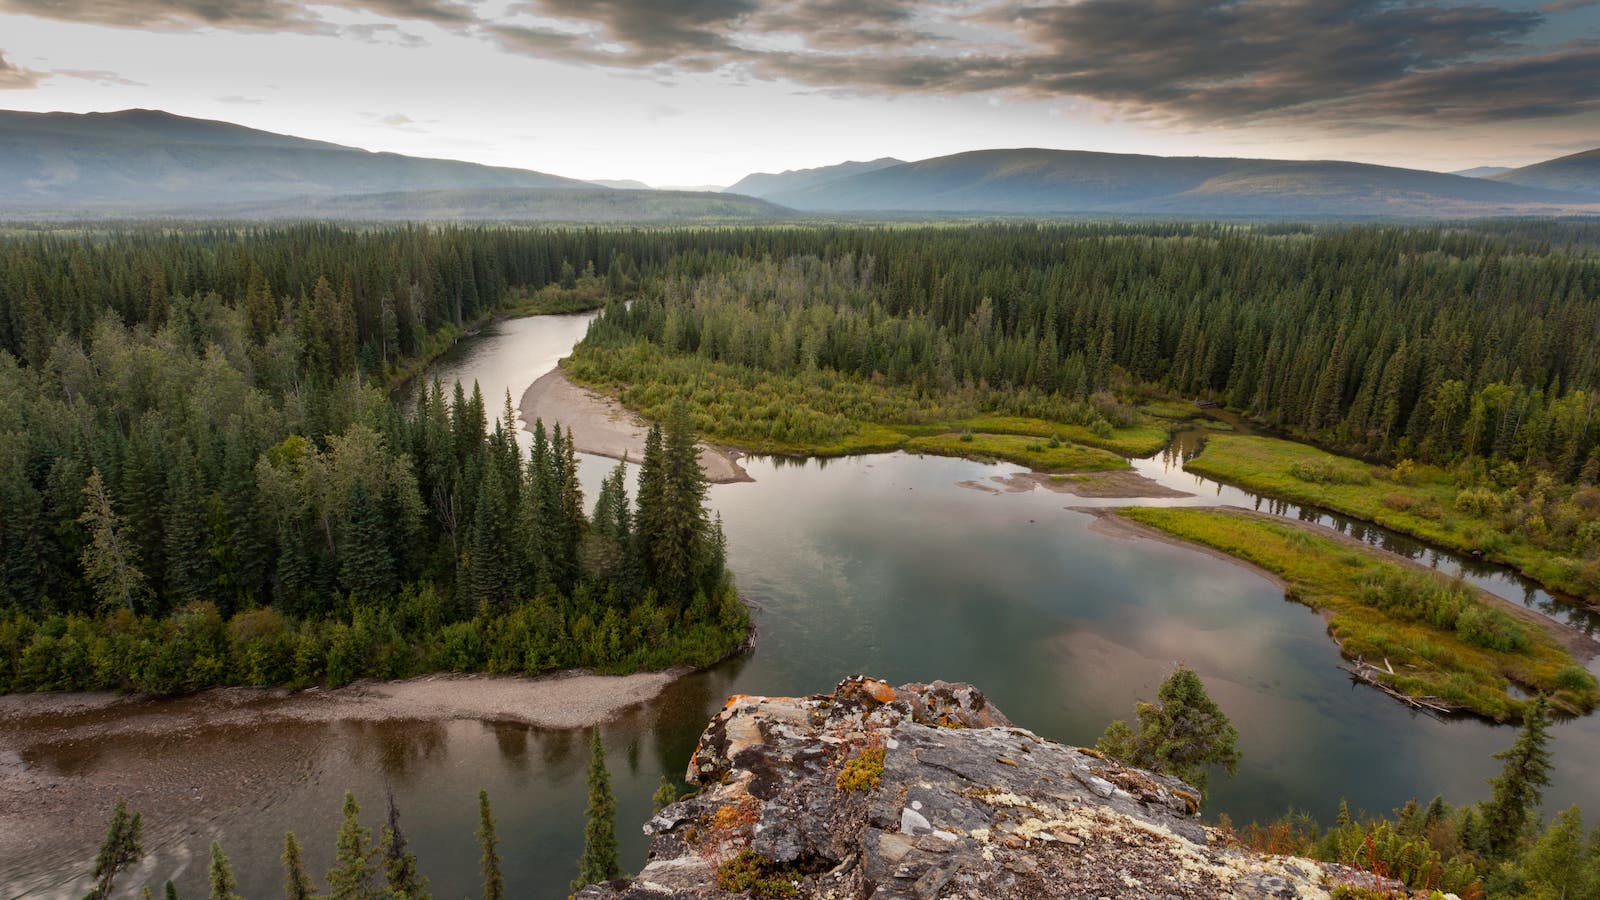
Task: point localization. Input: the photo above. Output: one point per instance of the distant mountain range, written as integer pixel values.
(1578, 174)
(764, 184)
(151, 163)
(146, 163)
(1045, 182)
(1482, 171)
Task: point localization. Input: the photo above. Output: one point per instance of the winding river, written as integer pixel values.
(885, 565)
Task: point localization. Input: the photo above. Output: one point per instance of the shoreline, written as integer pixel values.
(603, 427)
(56, 811)
(1109, 521)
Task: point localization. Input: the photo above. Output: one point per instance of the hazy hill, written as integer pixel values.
(624, 184)
(1482, 171)
(1034, 181)
(766, 184)
(1578, 173)
(142, 159)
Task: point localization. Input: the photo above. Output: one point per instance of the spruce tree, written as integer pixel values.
(366, 568)
(170, 891)
(296, 881)
(1519, 787)
(354, 875)
(1180, 734)
(121, 848)
(666, 794)
(494, 885)
(599, 859)
(399, 863)
(221, 876)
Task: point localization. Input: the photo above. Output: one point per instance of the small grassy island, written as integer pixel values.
(1419, 634)
(1536, 525)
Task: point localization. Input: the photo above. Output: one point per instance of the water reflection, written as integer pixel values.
(879, 564)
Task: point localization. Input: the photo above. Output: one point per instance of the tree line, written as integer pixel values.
(206, 479)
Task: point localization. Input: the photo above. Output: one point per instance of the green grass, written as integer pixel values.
(1137, 440)
(1035, 453)
(824, 413)
(1422, 505)
(1441, 637)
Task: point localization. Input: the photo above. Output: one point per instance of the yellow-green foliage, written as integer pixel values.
(1421, 501)
(1136, 440)
(824, 413)
(1442, 639)
(762, 878)
(863, 771)
(1028, 451)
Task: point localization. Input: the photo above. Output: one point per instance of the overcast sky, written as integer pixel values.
(705, 91)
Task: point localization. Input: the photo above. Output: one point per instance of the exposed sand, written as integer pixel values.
(563, 700)
(1582, 647)
(603, 427)
(64, 757)
(1107, 485)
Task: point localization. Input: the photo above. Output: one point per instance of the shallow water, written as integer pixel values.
(876, 564)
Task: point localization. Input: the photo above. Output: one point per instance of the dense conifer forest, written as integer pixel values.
(1473, 352)
(204, 478)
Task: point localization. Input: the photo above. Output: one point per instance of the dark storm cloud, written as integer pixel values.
(16, 78)
(1342, 62)
(241, 15)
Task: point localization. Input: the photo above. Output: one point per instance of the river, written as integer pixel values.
(883, 565)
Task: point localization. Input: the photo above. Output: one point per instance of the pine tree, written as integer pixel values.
(599, 859)
(170, 891)
(399, 863)
(1180, 734)
(494, 885)
(221, 875)
(296, 881)
(121, 848)
(354, 875)
(108, 560)
(666, 794)
(366, 568)
(1519, 787)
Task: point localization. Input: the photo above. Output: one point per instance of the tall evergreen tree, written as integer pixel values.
(121, 848)
(494, 884)
(399, 863)
(108, 560)
(354, 875)
(1520, 785)
(296, 881)
(599, 859)
(223, 884)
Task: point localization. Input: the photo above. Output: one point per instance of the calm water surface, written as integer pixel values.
(882, 565)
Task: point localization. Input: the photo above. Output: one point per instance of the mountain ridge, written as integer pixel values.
(1576, 172)
(1047, 181)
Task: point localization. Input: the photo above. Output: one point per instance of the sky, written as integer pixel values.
(697, 92)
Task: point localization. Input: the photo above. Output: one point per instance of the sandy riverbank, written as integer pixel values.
(1582, 647)
(1121, 485)
(604, 428)
(65, 757)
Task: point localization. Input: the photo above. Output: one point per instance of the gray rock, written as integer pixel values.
(967, 805)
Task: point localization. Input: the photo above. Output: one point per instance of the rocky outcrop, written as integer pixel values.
(928, 791)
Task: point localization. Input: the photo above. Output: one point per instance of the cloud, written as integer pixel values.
(98, 76)
(1340, 64)
(240, 100)
(237, 15)
(16, 78)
